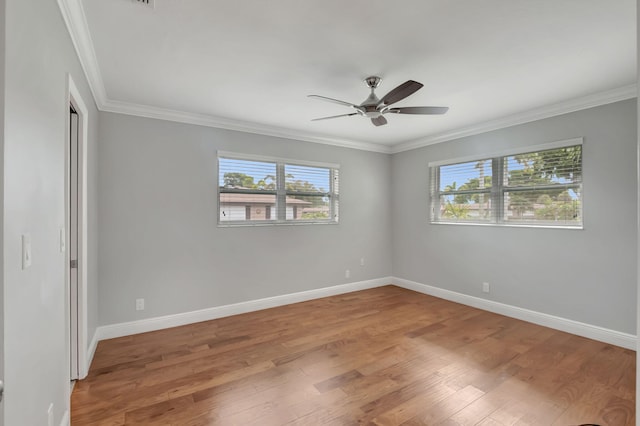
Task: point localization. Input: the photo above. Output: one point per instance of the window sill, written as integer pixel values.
(512, 225)
(260, 224)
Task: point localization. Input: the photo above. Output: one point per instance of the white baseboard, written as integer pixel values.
(158, 323)
(617, 338)
(613, 337)
(91, 351)
(66, 420)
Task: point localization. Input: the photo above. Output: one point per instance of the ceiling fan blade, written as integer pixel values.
(335, 116)
(419, 110)
(335, 101)
(379, 121)
(407, 88)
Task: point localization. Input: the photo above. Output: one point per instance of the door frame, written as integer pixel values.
(73, 98)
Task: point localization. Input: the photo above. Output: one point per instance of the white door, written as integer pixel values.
(73, 241)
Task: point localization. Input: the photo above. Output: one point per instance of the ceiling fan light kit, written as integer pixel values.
(375, 108)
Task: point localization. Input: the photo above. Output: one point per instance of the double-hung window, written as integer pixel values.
(530, 187)
(264, 190)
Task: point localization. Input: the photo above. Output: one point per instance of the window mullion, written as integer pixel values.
(497, 189)
(332, 194)
(281, 193)
(435, 200)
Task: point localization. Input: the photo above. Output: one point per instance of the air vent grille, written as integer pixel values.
(150, 3)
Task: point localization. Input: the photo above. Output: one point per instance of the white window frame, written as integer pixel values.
(281, 193)
(498, 189)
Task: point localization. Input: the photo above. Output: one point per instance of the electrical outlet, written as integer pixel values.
(139, 304)
(362, 261)
(485, 287)
(347, 274)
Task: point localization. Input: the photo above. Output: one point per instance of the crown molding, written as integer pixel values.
(590, 101)
(75, 19)
(237, 125)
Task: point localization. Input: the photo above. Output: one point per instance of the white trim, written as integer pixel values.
(572, 105)
(503, 153)
(512, 225)
(236, 125)
(268, 159)
(601, 334)
(91, 351)
(637, 17)
(66, 420)
(75, 19)
(264, 223)
(591, 101)
(168, 321)
(73, 98)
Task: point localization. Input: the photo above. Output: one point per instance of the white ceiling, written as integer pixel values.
(250, 64)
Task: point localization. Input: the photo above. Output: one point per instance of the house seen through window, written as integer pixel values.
(276, 191)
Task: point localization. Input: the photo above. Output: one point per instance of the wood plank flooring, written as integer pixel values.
(386, 356)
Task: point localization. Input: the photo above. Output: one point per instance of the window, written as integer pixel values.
(261, 190)
(542, 187)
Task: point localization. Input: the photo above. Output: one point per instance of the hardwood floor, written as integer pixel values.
(385, 356)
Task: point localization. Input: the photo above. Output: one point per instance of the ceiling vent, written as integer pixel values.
(150, 3)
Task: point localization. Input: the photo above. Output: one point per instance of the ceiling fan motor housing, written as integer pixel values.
(369, 107)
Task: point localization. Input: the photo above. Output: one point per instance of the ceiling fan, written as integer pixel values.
(375, 108)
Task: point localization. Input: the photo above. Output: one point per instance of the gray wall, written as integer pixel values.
(159, 238)
(585, 275)
(39, 54)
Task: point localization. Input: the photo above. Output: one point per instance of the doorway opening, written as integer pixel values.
(76, 232)
(73, 240)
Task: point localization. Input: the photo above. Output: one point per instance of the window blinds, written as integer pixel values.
(464, 191)
(262, 191)
(537, 188)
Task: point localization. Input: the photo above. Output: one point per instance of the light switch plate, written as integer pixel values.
(63, 240)
(50, 415)
(26, 251)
